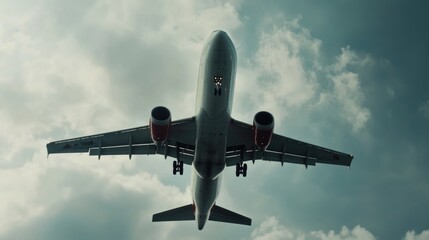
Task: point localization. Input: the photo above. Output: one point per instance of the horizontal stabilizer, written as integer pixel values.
(185, 213)
(220, 214)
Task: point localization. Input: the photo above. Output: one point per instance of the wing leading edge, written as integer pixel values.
(281, 149)
(180, 143)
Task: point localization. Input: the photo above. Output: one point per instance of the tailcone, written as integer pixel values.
(201, 219)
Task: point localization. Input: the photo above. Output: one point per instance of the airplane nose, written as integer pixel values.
(220, 39)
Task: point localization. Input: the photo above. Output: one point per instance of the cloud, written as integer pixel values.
(271, 229)
(411, 235)
(290, 71)
(284, 77)
(347, 88)
(357, 233)
(81, 67)
(424, 109)
(94, 68)
(53, 197)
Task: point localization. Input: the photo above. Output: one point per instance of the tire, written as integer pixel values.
(174, 167)
(244, 170)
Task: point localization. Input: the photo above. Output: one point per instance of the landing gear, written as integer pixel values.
(218, 84)
(241, 169)
(218, 91)
(178, 167)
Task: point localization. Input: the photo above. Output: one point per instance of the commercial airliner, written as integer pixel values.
(208, 142)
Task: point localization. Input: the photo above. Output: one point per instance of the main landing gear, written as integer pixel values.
(178, 167)
(241, 169)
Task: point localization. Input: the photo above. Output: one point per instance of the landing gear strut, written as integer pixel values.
(178, 167)
(241, 169)
(218, 91)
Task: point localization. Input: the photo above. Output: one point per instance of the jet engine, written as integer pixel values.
(263, 125)
(159, 124)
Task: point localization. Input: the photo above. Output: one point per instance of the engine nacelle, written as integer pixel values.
(263, 125)
(159, 124)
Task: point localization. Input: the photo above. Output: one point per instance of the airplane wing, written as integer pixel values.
(281, 149)
(180, 143)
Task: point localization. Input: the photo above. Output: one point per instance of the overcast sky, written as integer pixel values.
(348, 75)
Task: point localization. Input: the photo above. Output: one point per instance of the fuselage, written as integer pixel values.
(213, 113)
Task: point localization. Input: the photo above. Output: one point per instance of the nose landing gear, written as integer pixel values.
(218, 84)
(241, 169)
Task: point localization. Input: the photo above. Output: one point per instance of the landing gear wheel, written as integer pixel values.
(215, 91)
(244, 170)
(220, 91)
(178, 167)
(241, 168)
(181, 167)
(174, 167)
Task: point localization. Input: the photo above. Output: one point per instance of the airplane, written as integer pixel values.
(208, 142)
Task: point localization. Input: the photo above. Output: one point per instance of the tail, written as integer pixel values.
(187, 213)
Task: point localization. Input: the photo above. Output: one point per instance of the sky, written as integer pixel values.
(344, 74)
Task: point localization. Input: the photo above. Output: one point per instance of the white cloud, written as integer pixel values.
(280, 61)
(181, 21)
(281, 77)
(289, 71)
(350, 58)
(349, 94)
(347, 88)
(271, 229)
(411, 235)
(42, 188)
(357, 233)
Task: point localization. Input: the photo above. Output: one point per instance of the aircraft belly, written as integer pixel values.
(210, 147)
(205, 192)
